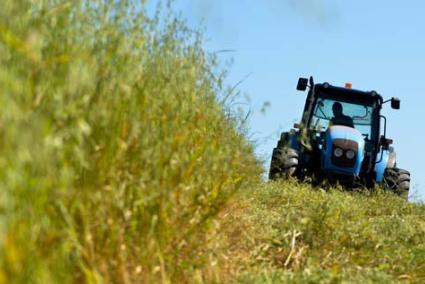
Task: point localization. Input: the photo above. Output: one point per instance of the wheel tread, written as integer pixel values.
(284, 163)
(397, 180)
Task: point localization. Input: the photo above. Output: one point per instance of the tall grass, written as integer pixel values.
(115, 153)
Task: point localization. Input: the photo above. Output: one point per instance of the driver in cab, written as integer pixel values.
(339, 117)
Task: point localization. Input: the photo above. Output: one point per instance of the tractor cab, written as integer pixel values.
(333, 106)
(342, 136)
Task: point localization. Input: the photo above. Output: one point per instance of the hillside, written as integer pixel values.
(122, 161)
(290, 232)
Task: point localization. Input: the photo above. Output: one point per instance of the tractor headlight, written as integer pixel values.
(350, 154)
(338, 152)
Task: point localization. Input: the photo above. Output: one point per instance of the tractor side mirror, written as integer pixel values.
(302, 84)
(395, 103)
(385, 142)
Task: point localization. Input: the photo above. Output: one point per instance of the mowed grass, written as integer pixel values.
(291, 232)
(121, 162)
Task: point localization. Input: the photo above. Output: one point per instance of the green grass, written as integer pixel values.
(121, 162)
(290, 232)
(115, 153)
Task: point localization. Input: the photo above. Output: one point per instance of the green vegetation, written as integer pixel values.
(291, 232)
(115, 152)
(120, 162)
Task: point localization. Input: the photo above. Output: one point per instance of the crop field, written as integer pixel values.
(123, 161)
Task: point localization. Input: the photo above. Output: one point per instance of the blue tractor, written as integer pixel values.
(341, 138)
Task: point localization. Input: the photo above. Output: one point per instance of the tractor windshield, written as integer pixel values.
(328, 112)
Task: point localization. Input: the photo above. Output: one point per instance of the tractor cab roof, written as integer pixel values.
(347, 94)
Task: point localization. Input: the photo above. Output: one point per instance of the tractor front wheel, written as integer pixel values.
(398, 181)
(284, 163)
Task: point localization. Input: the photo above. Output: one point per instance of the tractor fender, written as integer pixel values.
(289, 139)
(392, 159)
(388, 161)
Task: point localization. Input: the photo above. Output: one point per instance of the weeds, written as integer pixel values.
(116, 154)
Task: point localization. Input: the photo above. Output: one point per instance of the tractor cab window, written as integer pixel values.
(328, 112)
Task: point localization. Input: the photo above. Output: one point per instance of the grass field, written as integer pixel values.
(122, 161)
(290, 232)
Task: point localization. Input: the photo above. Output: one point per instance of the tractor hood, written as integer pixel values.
(344, 151)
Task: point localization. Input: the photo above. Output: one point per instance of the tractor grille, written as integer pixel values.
(345, 146)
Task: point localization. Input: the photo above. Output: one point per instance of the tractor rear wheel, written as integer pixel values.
(284, 163)
(398, 181)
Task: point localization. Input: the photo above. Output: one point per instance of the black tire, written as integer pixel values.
(284, 163)
(398, 181)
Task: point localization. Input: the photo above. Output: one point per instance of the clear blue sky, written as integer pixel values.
(376, 45)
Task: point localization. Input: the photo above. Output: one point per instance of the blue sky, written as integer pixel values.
(376, 45)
